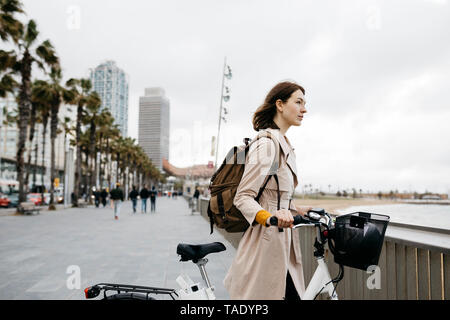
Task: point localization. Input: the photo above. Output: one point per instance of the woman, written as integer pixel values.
(268, 261)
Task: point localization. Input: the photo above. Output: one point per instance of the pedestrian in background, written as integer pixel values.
(104, 195)
(133, 196)
(117, 197)
(195, 199)
(96, 197)
(153, 194)
(144, 196)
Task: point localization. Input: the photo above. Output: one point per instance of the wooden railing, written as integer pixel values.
(414, 263)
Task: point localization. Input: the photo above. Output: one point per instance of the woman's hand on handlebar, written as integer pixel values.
(285, 218)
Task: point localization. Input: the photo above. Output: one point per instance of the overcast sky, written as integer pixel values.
(376, 74)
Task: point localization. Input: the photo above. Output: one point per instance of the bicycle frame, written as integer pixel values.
(321, 281)
(193, 291)
(189, 290)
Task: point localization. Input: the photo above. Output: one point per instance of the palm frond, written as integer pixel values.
(11, 6)
(7, 84)
(7, 60)
(10, 27)
(72, 82)
(31, 33)
(47, 53)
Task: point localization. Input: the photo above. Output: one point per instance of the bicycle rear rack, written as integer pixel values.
(94, 291)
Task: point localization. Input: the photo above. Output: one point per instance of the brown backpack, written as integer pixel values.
(224, 184)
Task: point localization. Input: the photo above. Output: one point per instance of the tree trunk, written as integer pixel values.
(53, 128)
(109, 163)
(31, 137)
(65, 158)
(86, 177)
(36, 150)
(76, 187)
(99, 168)
(24, 107)
(93, 159)
(44, 133)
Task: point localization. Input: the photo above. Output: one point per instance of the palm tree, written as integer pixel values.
(67, 130)
(19, 62)
(53, 94)
(93, 105)
(36, 148)
(117, 150)
(85, 148)
(113, 134)
(105, 123)
(44, 110)
(33, 120)
(80, 90)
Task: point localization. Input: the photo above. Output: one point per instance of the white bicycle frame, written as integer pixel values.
(321, 281)
(194, 291)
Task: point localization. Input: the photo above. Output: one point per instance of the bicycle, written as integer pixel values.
(321, 281)
(189, 290)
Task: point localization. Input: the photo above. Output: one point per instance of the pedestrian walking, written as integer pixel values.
(144, 196)
(117, 197)
(153, 194)
(97, 197)
(104, 195)
(133, 196)
(195, 199)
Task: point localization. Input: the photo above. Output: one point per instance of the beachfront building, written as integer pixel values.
(154, 125)
(111, 83)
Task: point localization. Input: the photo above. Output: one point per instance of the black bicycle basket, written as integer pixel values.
(358, 239)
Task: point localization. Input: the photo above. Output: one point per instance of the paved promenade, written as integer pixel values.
(36, 251)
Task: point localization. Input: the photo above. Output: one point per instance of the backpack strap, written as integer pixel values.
(272, 171)
(220, 203)
(278, 199)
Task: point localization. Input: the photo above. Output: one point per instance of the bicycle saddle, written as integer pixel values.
(195, 252)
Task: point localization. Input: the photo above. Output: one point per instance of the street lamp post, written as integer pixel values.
(223, 97)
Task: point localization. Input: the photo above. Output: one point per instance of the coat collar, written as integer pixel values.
(288, 151)
(285, 146)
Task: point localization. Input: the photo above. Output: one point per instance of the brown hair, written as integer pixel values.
(263, 116)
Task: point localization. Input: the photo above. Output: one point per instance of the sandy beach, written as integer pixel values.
(332, 205)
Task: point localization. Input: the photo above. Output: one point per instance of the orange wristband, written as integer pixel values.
(262, 216)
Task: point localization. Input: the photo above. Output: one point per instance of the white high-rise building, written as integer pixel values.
(154, 125)
(111, 84)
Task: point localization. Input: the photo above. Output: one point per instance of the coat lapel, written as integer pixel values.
(288, 151)
(291, 160)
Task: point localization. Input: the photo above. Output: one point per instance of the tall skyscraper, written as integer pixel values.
(154, 125)
(111, 83)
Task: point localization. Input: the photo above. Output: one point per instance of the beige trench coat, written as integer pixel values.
(265, 255)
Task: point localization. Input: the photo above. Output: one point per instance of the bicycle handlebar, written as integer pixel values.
(298, 219)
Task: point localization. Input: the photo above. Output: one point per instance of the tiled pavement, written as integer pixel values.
(36, 251)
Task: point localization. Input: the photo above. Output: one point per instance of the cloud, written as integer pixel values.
(376, 75)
